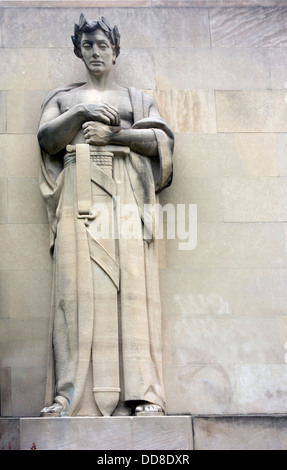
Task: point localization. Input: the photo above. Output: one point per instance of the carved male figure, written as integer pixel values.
(103, 144)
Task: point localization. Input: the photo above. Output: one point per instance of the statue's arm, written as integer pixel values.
(141, 141)
(57, 130)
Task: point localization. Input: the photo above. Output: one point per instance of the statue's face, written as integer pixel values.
(97, 52)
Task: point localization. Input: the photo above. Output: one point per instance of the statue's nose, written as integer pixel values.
(95, 52)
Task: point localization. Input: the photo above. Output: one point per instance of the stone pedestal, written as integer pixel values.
(97, 433)
(169, 433)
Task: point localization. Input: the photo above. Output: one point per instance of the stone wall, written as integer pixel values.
(218, 76)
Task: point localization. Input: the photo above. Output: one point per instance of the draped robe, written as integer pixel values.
(137, 180)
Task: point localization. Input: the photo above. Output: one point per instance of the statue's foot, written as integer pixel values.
(149, 409)
(53, 411)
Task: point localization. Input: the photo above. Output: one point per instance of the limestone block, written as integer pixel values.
(24, 69)
(24, 246)
(1, 28)
(226, 155)
(2, 112)
(30, 295)
(257, 291)
(262, 388)
(4, 295)
(3, 200)
(202, 389)
(135, 67)
(10, 434)
(64, 67)
(192, 292)
(160, 433)
(25, 202)
(224, 341)
(48, 29)
(255, 199)
(278, 64)
(240, 433)
(205, 193)
(23, 111)
(223, 292)
(28, 390)
(187, 111)
(282, 153)
(23, 342)
(19, 156)
(231, 245)
(5, 392)
(248, 27)
(167, 27)
(251, 111)
(212, 68)
(219, 3)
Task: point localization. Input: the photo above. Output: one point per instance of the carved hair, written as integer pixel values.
(85, 26)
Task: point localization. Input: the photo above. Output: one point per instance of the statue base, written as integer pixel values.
(169, 433)
(97, 433)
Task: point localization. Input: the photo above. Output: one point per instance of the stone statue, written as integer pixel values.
(104, 149)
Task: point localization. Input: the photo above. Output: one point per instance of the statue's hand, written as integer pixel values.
(97, 133)
(102, 112)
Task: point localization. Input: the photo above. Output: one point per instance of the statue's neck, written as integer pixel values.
(101, 82)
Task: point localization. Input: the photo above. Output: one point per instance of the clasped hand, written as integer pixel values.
(103, 123)
(97, 133)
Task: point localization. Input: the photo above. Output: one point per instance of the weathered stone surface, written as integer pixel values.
(9, 433)
(24, 69)
(19, 156)
(246, 27)
(3, 200)
(27, 377)
(221, 3)
(263, 387)
(214, 156)
(4, 295)
(23, 111)
(212, 68)
(255, 199)
(135, 68)
(257, 291)
(143, 3)
(3, 124)
(161, 433)
(48, 29)
(25, 206)
(223, 292)
(224, 341)
(232, 245)
(240, 433)
(209, 433)
(282, 153)
(171, 27)
(203, 389)
(187, 111)
(23, 246)
(251, 111)
(193, 292)
(30, 293)
(278, 66)
(24, 343)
